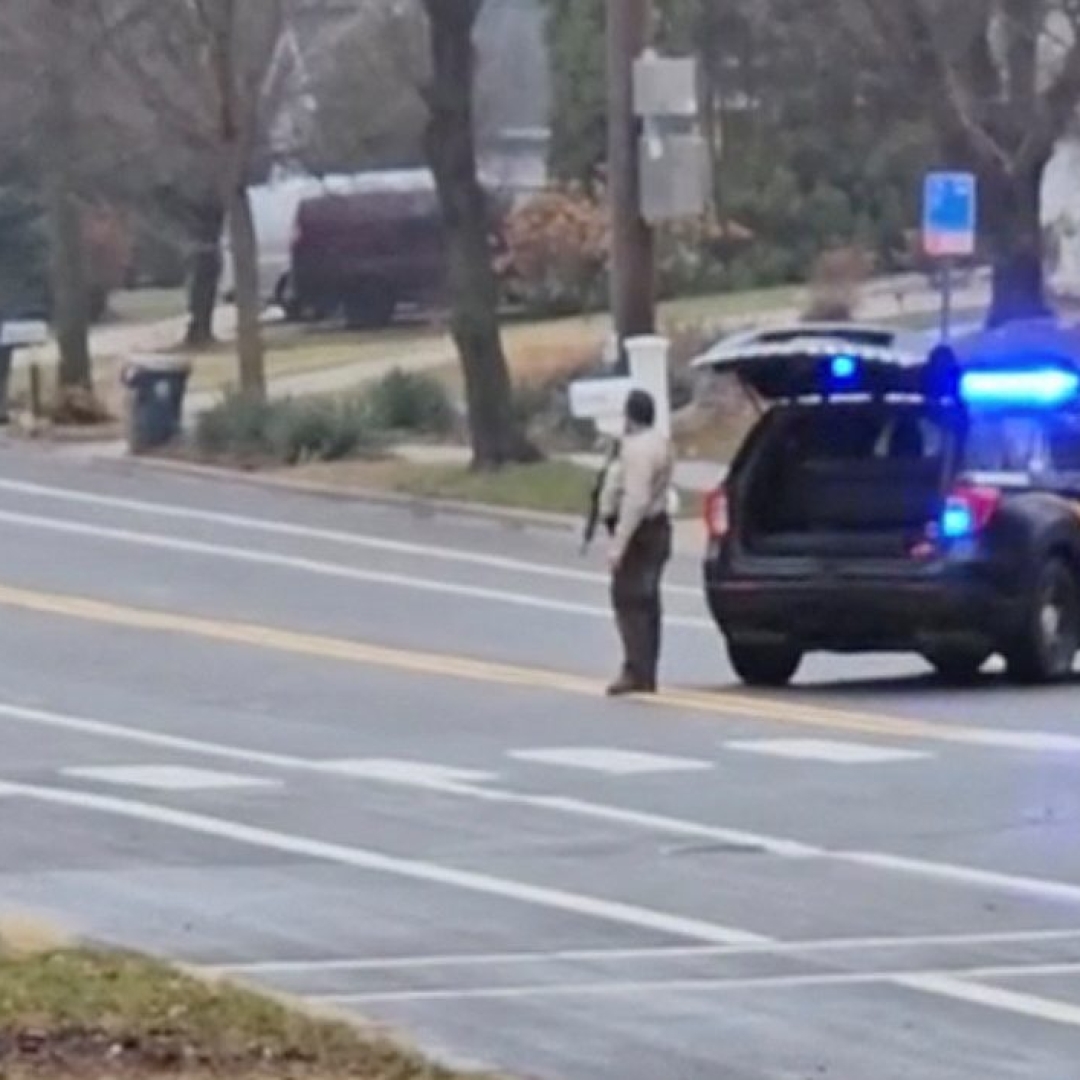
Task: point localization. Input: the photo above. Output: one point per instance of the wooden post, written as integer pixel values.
(633, 269)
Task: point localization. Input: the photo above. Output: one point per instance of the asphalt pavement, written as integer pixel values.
(362, 755)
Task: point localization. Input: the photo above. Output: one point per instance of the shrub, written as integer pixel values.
(318, 429)
(557, 252)
(410, 402)
(287, 432)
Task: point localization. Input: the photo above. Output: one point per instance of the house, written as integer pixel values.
(513, 87)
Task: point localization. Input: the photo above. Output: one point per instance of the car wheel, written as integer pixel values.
(764, 665)
(957, 666)
(1047, 649)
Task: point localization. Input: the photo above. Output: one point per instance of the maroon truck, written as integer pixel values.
(365, 253)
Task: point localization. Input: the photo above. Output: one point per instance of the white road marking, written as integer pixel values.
(830, 751)
(377, 862)
(410, 773)
(1041, 888)
(966, 875)
(303, 532)
(164, 542)
(678, 952)
(938, 983)
(168, 778)
(577, 904)
(611, 761)
(994, 997)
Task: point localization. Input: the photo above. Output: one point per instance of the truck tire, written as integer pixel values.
(285, 298)
(764, 665)
(1046, 649)
(371, 308)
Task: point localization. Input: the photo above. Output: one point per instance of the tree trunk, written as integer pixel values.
(1011, 222)
(245, 253)
(67, 243)
(497, 438)
(209, 220)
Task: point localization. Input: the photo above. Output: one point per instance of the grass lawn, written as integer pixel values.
(551, 487)
(554, 487)
(135, 306)
(97, 1015)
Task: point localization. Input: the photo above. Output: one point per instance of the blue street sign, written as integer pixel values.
(950, 214)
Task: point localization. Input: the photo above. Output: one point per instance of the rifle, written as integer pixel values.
(592, 518)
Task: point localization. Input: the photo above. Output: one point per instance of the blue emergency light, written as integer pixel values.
(1036, 387)
(957, 520)
(844, 368)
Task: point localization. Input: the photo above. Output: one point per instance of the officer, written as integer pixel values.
(636, 498)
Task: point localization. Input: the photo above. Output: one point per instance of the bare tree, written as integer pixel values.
(497, 438)
(44, 53)
(1001, 81)
(202, 66)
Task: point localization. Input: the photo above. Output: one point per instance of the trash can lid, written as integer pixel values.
(157, 363)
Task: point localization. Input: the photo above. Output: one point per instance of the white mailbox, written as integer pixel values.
(23, 334)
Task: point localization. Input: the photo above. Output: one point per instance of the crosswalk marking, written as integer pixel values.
(413, 773)
(826, 750)
(168, 778)
(608, 760)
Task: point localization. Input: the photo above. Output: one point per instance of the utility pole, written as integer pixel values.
(633, 268)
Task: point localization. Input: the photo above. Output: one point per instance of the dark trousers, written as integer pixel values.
(635, 595)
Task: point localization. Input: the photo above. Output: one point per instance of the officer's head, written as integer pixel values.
(640, 410)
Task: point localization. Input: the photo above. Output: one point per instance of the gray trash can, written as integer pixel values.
(155, 387)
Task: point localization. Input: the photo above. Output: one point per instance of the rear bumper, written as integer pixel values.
(847, 614)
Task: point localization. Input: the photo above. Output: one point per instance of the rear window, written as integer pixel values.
(865, 434)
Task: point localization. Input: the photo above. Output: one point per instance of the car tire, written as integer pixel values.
(958, 667)
(1046, 650)
(764, 665)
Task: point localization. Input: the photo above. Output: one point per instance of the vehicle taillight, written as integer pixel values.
(717, 518)
(968, 510)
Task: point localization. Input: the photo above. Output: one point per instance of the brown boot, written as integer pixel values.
(627, 685)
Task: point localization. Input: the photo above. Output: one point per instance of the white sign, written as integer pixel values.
(599, 399)
(23, 334)
(950, 214)
(665, 87)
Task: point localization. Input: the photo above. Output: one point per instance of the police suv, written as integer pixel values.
(894, 498)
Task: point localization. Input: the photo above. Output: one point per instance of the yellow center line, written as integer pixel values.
(419, 662)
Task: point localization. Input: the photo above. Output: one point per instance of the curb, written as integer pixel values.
(521, 520)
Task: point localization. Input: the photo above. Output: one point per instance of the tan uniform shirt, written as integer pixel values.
(638, 484)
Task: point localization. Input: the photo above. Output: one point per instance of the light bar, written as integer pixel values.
(1033, 388)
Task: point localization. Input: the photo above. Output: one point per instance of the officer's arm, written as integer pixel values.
(636, 496)
(611, 491)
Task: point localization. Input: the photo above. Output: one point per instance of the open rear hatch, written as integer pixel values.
(858, 465)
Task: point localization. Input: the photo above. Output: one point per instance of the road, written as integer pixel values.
(362, 756)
